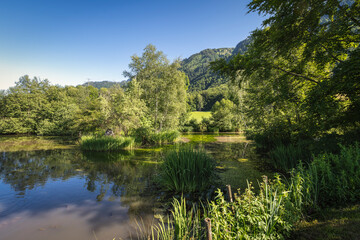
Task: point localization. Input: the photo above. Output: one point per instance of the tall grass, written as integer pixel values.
(285, 157)
(187, 170)
(106, 143)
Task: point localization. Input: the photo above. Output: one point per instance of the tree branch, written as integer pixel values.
(296, 74)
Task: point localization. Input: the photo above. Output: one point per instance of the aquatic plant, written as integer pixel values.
(106, 143)
(187, 170)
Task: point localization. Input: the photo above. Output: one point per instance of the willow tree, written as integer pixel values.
(163, 87)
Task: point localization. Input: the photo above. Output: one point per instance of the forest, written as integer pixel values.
(293, 88)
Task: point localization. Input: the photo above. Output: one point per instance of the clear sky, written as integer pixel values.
(71, 41)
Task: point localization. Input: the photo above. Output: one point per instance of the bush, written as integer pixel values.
(187, 170)
(106, 143)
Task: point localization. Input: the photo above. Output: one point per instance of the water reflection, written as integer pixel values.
(65, 193)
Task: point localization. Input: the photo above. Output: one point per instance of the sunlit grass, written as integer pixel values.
(199, 115)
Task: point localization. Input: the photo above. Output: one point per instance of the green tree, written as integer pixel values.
(222, 114)
(300, 72)
(163, 87)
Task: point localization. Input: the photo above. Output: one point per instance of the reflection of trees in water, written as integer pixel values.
(117, 174)
(27, 170)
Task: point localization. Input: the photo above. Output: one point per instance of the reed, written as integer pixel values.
(187, 170)
(106, 143)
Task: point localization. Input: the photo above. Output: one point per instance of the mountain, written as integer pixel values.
(197, 66)
(242, 46)
(104, 84)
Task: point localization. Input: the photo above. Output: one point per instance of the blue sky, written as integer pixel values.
(71, 41)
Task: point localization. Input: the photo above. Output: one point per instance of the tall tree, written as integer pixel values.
(163, 87)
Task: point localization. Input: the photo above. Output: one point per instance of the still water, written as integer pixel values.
(49, 189)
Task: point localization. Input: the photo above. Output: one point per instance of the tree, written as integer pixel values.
(222, 114)
(297, 69)
(163, 87)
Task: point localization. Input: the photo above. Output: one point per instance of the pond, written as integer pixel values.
(49, 189)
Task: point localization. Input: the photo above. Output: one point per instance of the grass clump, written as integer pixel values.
(146, 136)
(187, 170)
(106, 143)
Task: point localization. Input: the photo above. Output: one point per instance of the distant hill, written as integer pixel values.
(104, 84)
(197, 67)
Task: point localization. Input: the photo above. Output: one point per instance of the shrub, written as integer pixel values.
(187, 170)
(106, 143)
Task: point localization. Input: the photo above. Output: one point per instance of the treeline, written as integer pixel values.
(154, 101)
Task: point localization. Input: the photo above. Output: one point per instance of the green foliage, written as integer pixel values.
(286, 157)
(250, 216)
(331, 179)
(187, 170)
(300, 73)
(161, 86)
(205, 99)
(106, 143)
(223, 115)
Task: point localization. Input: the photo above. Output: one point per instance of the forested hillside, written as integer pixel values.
(196, 67)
